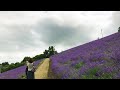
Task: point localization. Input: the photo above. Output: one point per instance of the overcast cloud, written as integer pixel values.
(24, 33)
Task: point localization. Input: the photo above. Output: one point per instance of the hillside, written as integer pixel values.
(99, 59)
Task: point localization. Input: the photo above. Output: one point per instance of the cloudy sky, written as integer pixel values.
(29, 33)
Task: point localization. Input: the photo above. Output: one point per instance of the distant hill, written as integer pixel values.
(99, 59)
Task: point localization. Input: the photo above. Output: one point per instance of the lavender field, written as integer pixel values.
(99, 59)
(17, 72)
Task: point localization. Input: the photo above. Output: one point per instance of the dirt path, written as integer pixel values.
(42, 70)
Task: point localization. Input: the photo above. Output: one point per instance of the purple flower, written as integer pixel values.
(103, 53)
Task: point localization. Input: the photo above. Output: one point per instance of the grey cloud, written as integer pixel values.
(54, 33)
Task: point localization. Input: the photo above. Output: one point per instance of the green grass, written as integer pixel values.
(92, 74)
(106, 76)
(93, 71)
(79, 65)
(22, 76)
(88, 77)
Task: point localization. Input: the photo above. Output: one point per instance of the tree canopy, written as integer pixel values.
(119, 29)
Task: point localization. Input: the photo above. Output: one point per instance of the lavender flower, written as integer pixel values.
(103, 53)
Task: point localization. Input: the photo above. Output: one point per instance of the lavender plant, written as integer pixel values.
(99, 59)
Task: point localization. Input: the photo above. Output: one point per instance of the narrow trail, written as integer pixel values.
(42, 70)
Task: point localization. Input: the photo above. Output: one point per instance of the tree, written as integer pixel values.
(12, 66)
(119, 29)
(49, 52)
(25, 59)
(17, 64)
(5, 63)
(40, 56)
(46, 53)
(52, 51)
(0, 68)
(56, 52)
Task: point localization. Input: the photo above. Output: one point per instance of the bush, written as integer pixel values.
(5, 63)
(119, 29)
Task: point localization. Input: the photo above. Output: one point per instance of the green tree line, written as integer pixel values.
(5, 66)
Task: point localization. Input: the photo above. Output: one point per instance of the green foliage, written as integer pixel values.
(5, 63)
(25, 59)
(119, 29)
(22, 76)
(38, 57)
(46, 53)
(92, 74)
(106, 76)
(51, 51)
(88, 77)
(12, 66)
(93, 71)
(80, 64)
